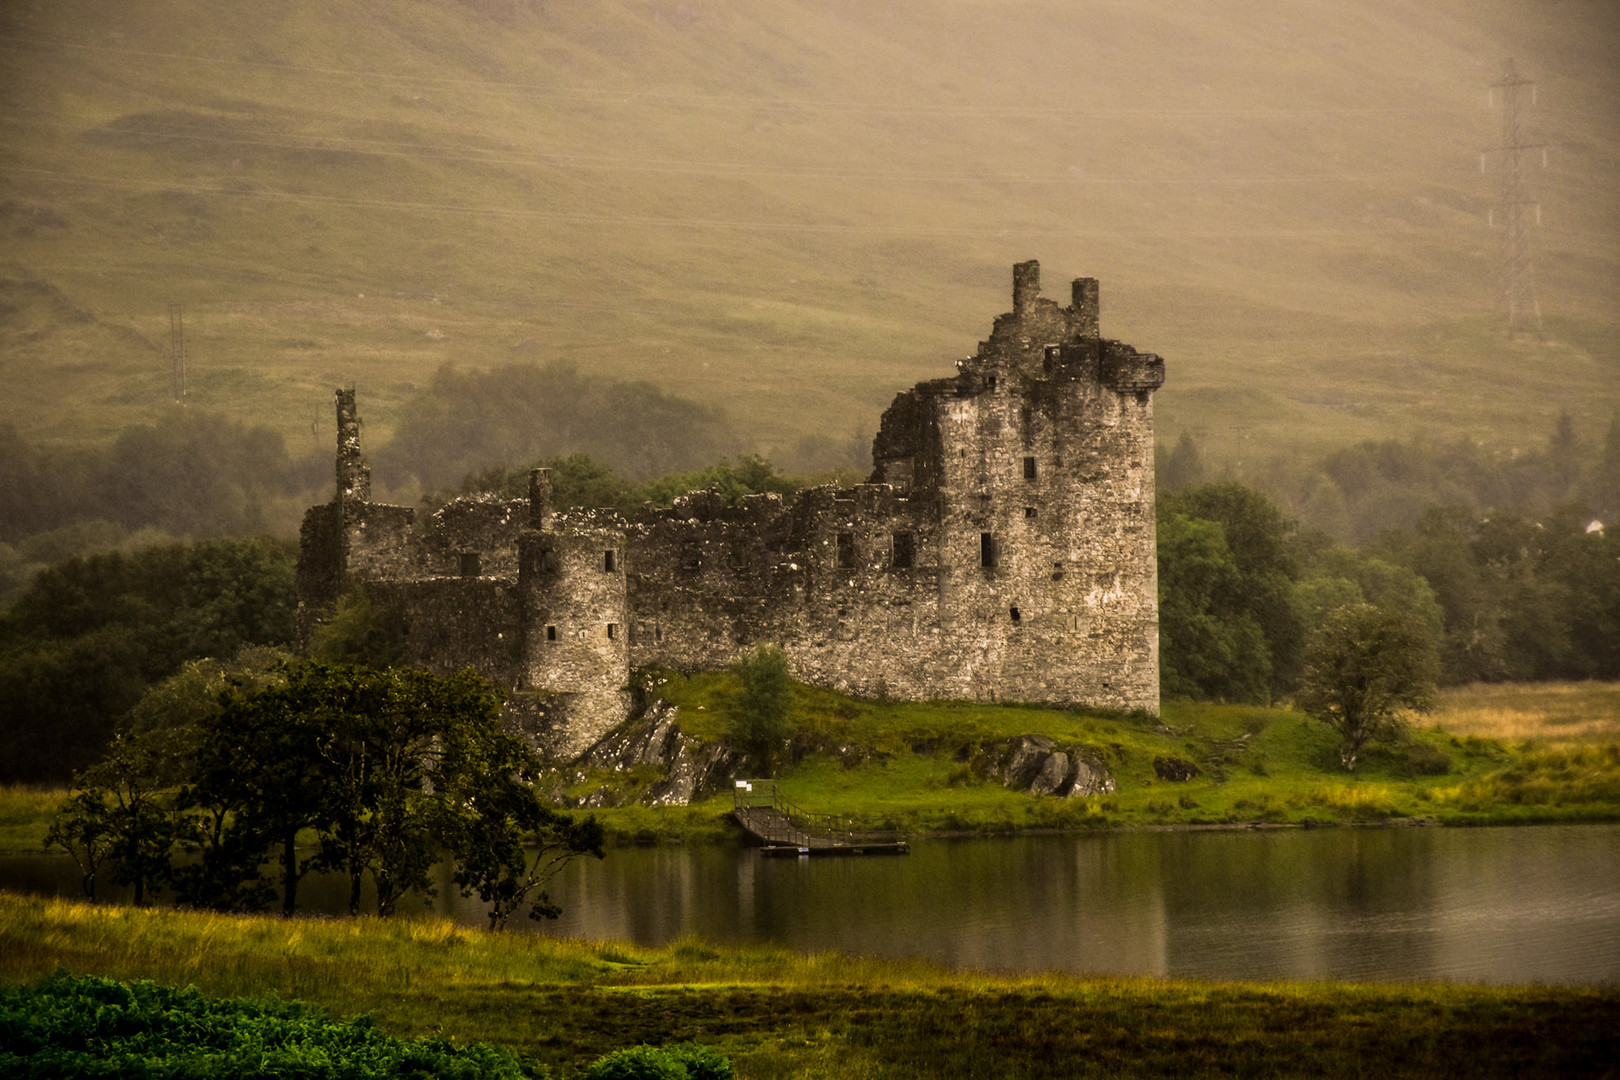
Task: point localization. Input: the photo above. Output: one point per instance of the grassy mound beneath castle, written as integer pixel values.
(774, 1013)
(1492, 755)
(936, 767)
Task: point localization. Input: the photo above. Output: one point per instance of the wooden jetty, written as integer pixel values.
(785, 829)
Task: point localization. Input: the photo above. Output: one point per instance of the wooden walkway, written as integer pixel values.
(784, 829)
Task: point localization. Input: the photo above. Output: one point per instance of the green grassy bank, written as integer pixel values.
(780, 1014)
(927, 767)
(1490, 756)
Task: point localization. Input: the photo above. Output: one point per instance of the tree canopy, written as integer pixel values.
(1365, 667)
(389, 770)
(90, 635)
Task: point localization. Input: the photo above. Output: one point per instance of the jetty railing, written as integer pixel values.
(761, 807)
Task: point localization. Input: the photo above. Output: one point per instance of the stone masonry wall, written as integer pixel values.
(1003, 550)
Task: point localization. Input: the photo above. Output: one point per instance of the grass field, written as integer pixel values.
(797, 209)
(1543, 713)
(777, 1014)
(919, 767)
(1505, 754)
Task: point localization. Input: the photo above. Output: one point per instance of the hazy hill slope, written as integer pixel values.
(796, 208)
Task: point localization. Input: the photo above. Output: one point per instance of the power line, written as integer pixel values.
(649, 221)
(642, 97)
(737, 170)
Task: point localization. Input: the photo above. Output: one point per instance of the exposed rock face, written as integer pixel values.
(1025, 760)
(1054, 771)
(655, 738)
(1089, 779)
(1001, 550)
(1034, 763)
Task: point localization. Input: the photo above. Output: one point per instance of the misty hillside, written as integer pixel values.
(794, 209)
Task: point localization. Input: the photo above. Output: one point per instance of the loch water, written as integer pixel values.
(1498, 905)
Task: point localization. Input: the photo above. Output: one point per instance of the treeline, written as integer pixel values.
(190, 475)
(1500, 596)
(195, 475)
(579, 481)
(87, 639)
(1356, 494)
(464, 420)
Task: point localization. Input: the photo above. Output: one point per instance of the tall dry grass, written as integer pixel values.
(1552, 713)
(780, 1014)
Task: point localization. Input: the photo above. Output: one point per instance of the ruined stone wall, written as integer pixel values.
(1004, 550)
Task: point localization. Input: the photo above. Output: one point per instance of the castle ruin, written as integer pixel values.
(1002, 549)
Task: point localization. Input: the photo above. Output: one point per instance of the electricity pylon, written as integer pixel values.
(1513, 205)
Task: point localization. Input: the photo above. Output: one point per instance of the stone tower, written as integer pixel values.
(1034, 466)
(575, 659)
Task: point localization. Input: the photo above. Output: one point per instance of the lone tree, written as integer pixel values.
(762, 712)
(1365, 666)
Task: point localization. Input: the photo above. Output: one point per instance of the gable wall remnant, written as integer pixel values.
(1003, 549)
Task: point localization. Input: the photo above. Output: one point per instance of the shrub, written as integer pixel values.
(762, 713)
(90, 1026)
(1424, 759)
(1174, 769)
(684, 1062)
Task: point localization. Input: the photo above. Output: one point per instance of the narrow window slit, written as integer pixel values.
(904, 551)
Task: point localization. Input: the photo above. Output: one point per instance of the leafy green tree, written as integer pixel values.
(1364, 668)
(464, 420)
(391, 769)
(255, 784)
(1339, 576)
(83, 828)
(360, 631)
(1210, 647)
(1440, 548)
(1183, 466)
(1261, 540)
(119, 812)
(383, 737)
(762, 710)
(506, 842)
(753, 475)
(1602, 487)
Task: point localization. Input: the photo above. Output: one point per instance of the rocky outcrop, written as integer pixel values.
(1035, 763)
(691, 770)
